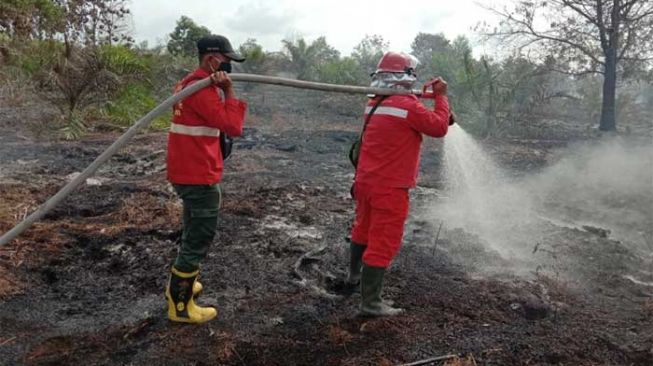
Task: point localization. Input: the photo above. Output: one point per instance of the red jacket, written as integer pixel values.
(194, 155)
(390, 152)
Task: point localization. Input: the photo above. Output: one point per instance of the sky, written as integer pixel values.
(344, 23)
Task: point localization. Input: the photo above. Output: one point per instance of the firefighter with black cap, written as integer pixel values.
(194, 167)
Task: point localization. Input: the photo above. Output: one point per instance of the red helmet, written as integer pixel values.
(397, 62)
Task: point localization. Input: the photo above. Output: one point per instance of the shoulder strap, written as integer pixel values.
(369, 116)
(367, 120)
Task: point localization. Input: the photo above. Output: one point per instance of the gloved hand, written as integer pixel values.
(437, 87)
(452, 118)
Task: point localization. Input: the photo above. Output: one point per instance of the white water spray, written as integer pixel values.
(607, 184)
(483, 199)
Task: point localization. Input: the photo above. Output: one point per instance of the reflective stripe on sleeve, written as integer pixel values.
(388, 111)
(194, 130)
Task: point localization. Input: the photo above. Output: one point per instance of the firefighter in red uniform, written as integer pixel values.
(387, 168)
(195, 164)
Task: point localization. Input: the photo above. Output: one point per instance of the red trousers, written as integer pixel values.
(380, 216)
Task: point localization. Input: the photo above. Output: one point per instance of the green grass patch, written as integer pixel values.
(134, 102)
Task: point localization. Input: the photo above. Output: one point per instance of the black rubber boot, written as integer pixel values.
(371, 286)
(355, 262)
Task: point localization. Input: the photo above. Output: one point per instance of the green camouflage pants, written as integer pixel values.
(200, 221)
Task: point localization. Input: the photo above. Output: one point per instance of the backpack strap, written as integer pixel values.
(360, 140)
(369, 116)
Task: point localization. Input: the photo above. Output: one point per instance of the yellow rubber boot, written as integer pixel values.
(197, 287)
(181, 305)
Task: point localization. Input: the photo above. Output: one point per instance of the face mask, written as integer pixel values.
(225, 66)
(222, 66)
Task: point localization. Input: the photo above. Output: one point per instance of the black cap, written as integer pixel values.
(218, 44)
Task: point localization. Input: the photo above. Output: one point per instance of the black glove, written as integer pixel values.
(452, 118)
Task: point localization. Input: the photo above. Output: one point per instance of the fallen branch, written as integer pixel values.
(303, 281)
(150, 155)
(435, 243)
(112, 126)
(306, 257)
(8, 340)
(430, 360)
(138, 328)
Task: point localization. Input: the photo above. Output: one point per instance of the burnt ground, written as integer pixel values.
(85, 285)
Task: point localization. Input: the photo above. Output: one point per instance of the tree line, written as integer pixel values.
(590, 66)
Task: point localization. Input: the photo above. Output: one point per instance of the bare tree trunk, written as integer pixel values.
(608, 107)
(610, 46)
(491, 124)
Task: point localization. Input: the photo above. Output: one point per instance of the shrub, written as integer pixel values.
(83, 78)
(133, 102)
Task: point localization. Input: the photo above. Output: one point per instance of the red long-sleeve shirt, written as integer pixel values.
(390, 152)
(194, 155)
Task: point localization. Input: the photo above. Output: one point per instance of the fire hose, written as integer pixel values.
(166, 106)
